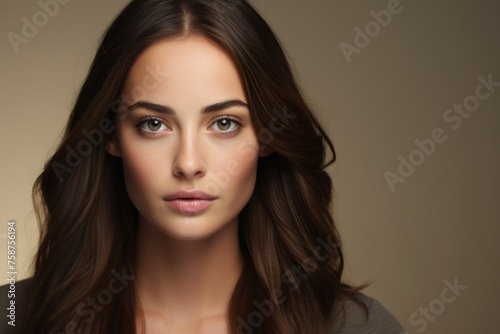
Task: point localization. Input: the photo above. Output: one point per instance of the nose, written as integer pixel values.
(188, 162)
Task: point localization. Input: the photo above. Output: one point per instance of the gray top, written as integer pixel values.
(379, 321)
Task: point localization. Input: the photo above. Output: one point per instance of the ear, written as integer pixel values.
(264, 151)
(112, 146)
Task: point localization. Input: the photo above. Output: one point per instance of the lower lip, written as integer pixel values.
(190, 205)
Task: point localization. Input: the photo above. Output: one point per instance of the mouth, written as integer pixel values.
(189, 195)
(189, 201)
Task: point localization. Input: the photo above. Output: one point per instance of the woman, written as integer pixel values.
(189, 194)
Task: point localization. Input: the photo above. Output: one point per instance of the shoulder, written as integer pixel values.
(12, 297)
(350, 317)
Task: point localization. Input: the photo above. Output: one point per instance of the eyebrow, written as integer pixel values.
(164, 109)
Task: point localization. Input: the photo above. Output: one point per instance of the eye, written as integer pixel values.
(225, 125)
(152, 125)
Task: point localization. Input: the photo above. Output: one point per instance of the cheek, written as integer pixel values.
(136, 175)
(142, 170)
(243, 167)
(135, 171)
(232, 169)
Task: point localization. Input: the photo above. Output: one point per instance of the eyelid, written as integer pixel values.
(233, 119)
(229, 117)
(145, 119)
(237, 121)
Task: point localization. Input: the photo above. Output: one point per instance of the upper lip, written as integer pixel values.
(189, 194)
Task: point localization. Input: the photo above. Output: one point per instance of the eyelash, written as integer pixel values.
(228, 118)
(143, 121)
(232, 119)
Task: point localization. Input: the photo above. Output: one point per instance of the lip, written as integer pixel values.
(189, 201)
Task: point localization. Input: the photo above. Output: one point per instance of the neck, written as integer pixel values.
(187, 280)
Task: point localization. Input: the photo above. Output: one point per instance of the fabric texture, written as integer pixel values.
(351, 318)
(348, 318)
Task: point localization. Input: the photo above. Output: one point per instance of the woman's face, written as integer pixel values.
(187, 143)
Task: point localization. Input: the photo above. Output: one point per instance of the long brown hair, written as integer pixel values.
(293, 258)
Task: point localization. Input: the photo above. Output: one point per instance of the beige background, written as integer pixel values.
(442, 223)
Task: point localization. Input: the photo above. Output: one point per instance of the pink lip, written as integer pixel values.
(189, 201)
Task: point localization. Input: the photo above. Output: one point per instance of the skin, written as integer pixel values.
(187, 264)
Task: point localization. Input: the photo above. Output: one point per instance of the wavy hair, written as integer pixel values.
(88, 223)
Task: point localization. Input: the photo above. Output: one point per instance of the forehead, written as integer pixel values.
(179, 69)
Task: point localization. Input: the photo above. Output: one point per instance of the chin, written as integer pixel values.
(190, 228)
